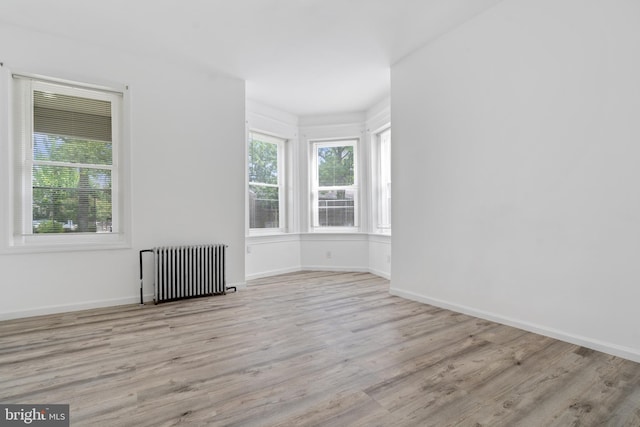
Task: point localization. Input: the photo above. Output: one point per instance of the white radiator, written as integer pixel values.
(187, 271)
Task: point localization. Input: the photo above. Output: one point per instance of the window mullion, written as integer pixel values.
(262, 184)
(71, 165)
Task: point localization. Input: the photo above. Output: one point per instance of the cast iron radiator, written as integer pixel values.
(187, 272)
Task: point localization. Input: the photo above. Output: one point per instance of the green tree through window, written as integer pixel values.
(70, 198)
(335, 166)
(265, 181)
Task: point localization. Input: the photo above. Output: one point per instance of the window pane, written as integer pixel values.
(335, 166)
(384, 220)
(60, 149)
(264, 207)
(263, 162)
(67, 199)
(336, 208)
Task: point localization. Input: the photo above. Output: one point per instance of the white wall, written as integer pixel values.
(272, 255)
(380, 255)
(515, 166)
(336, 252)
(187, 163)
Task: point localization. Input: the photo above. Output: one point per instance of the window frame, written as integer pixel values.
(281, 144)
(19, 212)
(316, 188)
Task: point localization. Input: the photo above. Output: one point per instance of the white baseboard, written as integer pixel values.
(66, 308)
(53, 309)
(380, 273)
(605, 347)
(237, 285)
(334, 268)
(272, 273)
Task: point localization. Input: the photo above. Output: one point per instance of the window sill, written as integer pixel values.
(326, 236)
(66, 243)
(336, 230)
(340, 236)
(267, 232)
(272, 238)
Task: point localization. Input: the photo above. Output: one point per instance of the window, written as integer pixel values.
(335, 184)
(384, 180)
(266, 182)
(66, 170)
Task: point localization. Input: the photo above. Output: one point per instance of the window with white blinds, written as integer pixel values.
(66, 170)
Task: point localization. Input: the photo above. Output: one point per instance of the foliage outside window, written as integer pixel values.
(266, 181)
(335, 188)
(384, 180)
(68, 162)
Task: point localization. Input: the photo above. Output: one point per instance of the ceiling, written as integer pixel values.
(307, 57)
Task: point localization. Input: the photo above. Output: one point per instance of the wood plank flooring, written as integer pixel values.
(310, 348)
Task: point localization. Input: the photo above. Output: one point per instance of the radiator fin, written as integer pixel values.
(189, 271)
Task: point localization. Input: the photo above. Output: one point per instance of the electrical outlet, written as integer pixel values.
(248, 249)
(328, 254)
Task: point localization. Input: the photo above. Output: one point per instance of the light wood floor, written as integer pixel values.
(313, 348)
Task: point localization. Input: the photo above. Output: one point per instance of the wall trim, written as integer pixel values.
(331, 121)
(380, 273)
(316, 268)
(380, 238)
(267, 112)
(66, 308)
(379, 115)
(605, 347)
(318, 236)
(238, 285)
(272, 238)
(334, 237)
(88, 305)
(335, 268)
(272, 273)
